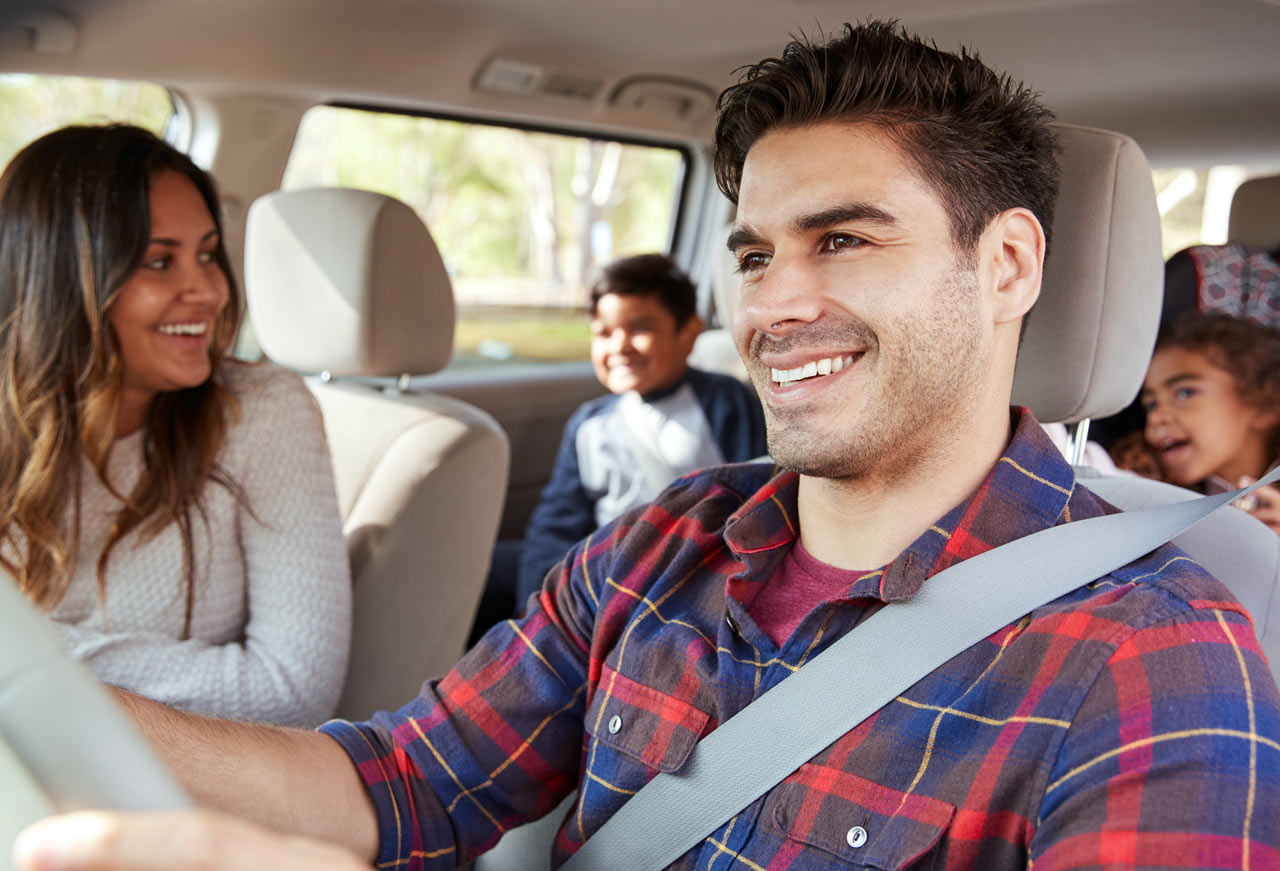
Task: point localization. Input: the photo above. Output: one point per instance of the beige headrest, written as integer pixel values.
(1090, 335)
(1255, 213)
(346, 281)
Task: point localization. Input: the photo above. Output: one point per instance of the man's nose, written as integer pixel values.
(787, 295)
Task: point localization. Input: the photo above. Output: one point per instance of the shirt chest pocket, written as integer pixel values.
(644, 725)
(864, 824)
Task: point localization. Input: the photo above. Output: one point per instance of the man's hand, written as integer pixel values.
(1264, 503)
(194, 840)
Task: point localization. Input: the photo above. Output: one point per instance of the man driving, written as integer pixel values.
(894, 206)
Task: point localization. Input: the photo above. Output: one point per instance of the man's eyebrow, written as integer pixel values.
(860, 212)
(741, 237)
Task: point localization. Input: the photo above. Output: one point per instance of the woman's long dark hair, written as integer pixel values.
(75, 221)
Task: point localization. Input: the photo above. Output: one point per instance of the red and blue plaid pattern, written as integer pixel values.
(1130, 724)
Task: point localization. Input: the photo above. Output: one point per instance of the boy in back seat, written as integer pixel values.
(662, 420)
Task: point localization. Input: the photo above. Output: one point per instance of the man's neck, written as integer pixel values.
(865, 523)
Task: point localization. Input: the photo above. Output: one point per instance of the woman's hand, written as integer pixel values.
(195, 840)
(1264, 503)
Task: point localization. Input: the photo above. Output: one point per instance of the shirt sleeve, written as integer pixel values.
(289, 666)
(495, 743)
(1172, 760)
(563, 516)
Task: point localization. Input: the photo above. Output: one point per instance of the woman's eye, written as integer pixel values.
(1185, 392)
(207, 256)
(838, 241)
(752, 261)
(157, 262)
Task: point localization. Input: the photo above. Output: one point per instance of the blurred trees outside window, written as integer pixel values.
(523, 219)
(33, 105)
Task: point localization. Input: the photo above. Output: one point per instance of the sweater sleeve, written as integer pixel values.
(290, 663)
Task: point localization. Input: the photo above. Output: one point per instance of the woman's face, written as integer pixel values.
(164, 314)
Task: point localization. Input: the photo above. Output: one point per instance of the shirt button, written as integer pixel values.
(856, 837)
(615, 723)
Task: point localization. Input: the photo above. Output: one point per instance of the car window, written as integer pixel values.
(33, 105)
(523, 218)
(1196, 203)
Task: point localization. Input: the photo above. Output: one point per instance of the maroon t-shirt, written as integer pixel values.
(797, 586)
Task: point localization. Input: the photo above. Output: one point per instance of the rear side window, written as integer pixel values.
(31, 106)
(1196, 203)
(522, 218)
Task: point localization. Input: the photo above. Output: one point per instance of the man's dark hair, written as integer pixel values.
(980, 139)
(649, 275)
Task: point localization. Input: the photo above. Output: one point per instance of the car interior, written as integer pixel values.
(441, 434)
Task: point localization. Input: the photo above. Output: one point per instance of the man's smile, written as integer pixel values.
(812, 369)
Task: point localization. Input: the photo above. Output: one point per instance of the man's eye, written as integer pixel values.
(1185, 392)
(837, 241)
(752, 261)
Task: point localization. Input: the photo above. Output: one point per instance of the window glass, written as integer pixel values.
(1196, 203)
(31, 106)
(522, 218)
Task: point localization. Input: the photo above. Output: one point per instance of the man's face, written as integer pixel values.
(849, 268)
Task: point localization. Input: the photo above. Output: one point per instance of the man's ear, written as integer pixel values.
(1013, 247)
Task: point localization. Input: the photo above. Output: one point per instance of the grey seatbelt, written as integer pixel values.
(955, 610)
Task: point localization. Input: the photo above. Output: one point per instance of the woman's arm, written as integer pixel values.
(289, 664)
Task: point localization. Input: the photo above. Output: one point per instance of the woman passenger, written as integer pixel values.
(171, 509)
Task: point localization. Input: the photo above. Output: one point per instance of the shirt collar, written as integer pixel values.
(1027, 490)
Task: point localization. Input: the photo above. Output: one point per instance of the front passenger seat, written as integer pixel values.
(349, 284)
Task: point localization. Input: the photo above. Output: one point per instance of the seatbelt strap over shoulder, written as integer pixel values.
(906, 641)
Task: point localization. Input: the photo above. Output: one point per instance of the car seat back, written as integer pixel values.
(350, 285)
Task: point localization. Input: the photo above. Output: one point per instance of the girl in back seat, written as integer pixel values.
(1212, 400)
(171, 509)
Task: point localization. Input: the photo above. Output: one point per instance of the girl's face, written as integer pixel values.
(164, 314)
(1198, 424)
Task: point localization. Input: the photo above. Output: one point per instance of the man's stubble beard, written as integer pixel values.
(921, 396)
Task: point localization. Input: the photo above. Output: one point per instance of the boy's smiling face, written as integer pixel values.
(637, 345)
(1197, 421)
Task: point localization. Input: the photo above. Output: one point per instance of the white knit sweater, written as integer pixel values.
(271, 616)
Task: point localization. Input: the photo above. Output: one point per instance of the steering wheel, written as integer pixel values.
(78, 745)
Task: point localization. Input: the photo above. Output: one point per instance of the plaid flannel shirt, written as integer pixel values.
(1131, 723)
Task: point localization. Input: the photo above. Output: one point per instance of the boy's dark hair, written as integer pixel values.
(980, 139)
(1249, 352)
(649, 275)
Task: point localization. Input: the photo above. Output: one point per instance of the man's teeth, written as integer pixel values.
(184, 329)
(825, 366)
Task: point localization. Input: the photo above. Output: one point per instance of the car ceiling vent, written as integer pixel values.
(45, 32)
(508, 76)
(661, 95)
(567, 86)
